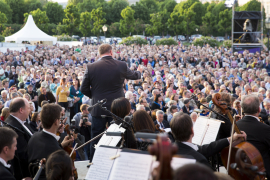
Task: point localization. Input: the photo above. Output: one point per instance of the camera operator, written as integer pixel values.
(83, 121)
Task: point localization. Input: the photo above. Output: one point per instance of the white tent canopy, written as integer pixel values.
(30, 32)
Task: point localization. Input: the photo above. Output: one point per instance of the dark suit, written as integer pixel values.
(258, 135)
(184, 108)
(19, 163)
(105, 77)
(5, 173)
(33, 126)
(165, 123)
(41, 145)
(263, 114)
(50, 98)
(204, 151)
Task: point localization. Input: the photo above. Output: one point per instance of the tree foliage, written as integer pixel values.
(225, 23)
(72, 18)
(18, 8)
(116, 7)
(85, 25)
(4, 8)
(55, 12)
(252, 5)
(127, 23)
(156, 24)
(32, 5)
(114, 29)
(97, 16)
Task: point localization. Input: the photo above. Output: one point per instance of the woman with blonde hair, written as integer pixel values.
(4, 114)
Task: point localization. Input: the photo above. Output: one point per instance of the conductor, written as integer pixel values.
(104, 79)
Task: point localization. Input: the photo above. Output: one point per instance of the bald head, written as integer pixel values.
(20, 108)
(250, 104)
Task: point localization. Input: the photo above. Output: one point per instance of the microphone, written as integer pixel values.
(127, 119)
(101, 102)
(198, 111)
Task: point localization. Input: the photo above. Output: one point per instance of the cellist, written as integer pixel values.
(258, 133)
(43, 143)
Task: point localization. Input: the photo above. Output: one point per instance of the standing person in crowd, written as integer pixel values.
(54, 86)
(62, 93)
(45, 96)
(76, 94)
(8, 146)
(106, 85)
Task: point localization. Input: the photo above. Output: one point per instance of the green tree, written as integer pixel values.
(85, 25)
(176, 23)
(32, 5)
(72, 18)
(141, 12)
(116, 6)
(156, 24)
(168, 5)
(208, 21)
(75, 2)
(3, 20)
(225, 22)
(60, 29)
(40, 17)
(200, 11)
(114, 29)
(252, 5)
(55, 12)
(97, 15)
(7, 32)
(18, 8)
(189, 22)
(127, 23)
(4, 8)
(138, 26)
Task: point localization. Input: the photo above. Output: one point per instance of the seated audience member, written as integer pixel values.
(173, 109)
(4, 114)
(35, 123)
(163, 124)
(187, 108)
(195, 171)
(142, 122)
(193, 117)
(43, 103)
(121, 108)
(182, 130)
(48, 96)
(8, 146)
(158, 103)
(59, 166)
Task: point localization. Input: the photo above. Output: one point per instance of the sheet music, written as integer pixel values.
(131, 166)
(111, 140)
(102, 164)
(199, 128)
(168, 130)
(212, 132)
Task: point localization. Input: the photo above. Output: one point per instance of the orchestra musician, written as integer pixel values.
(182, 129)
(121, 108)
(59, 166)
(8, 146)
(45, 142)
(104, 79)
(257, 132)
(19, 112)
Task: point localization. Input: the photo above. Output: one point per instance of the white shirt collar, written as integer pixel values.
(254, 117)
(56, 137)
(22, 123)
(193, 146)
(4, 163)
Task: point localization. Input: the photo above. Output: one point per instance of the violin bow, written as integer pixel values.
(230, 147)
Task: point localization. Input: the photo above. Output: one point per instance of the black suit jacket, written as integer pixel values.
(19, 163)
(106, 77)
(204, 151)
(41, 145)
(165, 123)
(258, 134)
(185, 109)
(5, 173)
(33, 126)
(263, 114)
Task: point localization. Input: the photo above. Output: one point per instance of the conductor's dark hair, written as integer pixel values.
(6, 137)
(194, 172)
(121, 107)
(181, 126)
(49, 114)
(16, 104)
(104, 49)
(59, 166)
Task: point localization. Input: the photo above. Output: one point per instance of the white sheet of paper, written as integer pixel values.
(131, 166)
(102, 164)
(199, 128)
(212, 132)
(111, 140)
(176, 162)
(167, 130)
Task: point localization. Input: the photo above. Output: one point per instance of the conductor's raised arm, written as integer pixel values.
(133, 75)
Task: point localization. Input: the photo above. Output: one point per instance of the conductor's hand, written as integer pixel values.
(67, 141)
(238, 138)
(140, 68)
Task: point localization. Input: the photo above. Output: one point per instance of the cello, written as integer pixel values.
(70, 150)
(247, 162)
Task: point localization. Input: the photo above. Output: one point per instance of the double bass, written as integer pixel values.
(246, 160)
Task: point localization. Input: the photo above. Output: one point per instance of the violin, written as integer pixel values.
(42, 166)
(247, 162)
(70, 150)
(158, 129)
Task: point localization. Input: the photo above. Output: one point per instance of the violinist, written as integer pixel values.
(257, 132)
(182, 129)
(45, 142)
